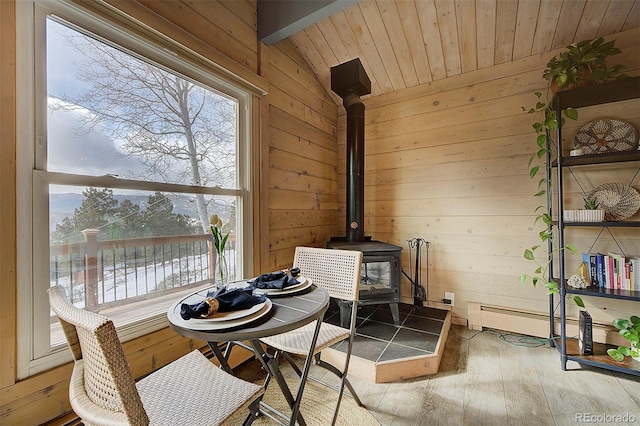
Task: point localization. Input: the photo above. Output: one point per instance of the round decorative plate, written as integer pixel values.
(619, 201)
(606, 135)
(231, 315)
(204, 325)
(287, 291)
(301, 282)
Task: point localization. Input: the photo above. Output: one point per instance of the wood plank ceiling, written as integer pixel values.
(404, 43)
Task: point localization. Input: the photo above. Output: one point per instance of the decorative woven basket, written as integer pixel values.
(618, 200)
(606, 135)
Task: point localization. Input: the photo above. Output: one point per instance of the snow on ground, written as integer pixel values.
(120, 282)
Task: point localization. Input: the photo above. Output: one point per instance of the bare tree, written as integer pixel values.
(181, 131)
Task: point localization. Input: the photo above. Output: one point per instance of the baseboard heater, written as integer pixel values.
(483, 316)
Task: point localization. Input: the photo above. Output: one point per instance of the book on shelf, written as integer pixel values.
(613, 271)
(611, 283)
(619, 260)
(600, 269)
(591, 271)
(634, 273)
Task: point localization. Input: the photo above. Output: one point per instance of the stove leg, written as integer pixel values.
(395, 313)
(345, 313)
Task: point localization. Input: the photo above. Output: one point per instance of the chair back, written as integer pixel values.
(108, 381)
(337, 271)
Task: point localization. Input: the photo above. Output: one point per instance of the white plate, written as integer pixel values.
(291, 290)
(204, 325)
(232, 315)
(301, 282)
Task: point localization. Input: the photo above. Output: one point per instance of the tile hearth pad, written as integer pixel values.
(378, 339)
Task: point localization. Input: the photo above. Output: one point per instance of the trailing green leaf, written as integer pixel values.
(552, 287)
(620, 323)
(615, 354)
(551, 123)
(630, 331)
(528, 254)
(571, 113)
(533, 171)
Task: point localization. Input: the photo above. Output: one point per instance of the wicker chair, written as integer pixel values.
(102, 390)
(338, 272)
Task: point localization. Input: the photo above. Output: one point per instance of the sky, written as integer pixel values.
(90, 153)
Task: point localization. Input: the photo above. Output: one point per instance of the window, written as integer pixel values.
(132, 151)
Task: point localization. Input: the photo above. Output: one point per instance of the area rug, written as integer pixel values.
(318, 403)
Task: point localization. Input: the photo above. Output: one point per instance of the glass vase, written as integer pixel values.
(222, 271)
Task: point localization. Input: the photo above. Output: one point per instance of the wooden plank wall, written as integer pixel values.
(447, 161)
(8, 235)
(298, 187)
(303, 158)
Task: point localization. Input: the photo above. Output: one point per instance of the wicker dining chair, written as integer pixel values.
(102, 390)
(338, 272)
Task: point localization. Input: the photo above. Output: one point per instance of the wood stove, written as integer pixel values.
(380, 280)
(381, 262)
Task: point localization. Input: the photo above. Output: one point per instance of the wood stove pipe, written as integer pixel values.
(350, 81)
(355, 168)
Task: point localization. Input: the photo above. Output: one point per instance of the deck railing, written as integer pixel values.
(100, 274)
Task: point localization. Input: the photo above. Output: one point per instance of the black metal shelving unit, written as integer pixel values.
(615, 91)
(605, 292)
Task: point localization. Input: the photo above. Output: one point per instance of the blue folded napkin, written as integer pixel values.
(222, 300)
(274, 280)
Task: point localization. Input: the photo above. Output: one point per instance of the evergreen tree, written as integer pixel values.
(159, 218)
(100, 210)
(97, 211)
(130, 220)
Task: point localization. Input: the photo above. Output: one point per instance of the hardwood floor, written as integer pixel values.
(484, 380)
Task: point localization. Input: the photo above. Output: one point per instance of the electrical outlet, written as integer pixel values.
(449, 296)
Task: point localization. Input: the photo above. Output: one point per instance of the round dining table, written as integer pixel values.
(279, 314)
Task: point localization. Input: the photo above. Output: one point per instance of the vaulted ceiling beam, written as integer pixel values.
(278, 19)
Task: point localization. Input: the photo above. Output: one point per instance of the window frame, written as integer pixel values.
(35, 353)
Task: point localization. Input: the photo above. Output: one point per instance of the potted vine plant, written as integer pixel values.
(581, 64)
(630, 330)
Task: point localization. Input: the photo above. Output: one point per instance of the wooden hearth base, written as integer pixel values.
(413, 350)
